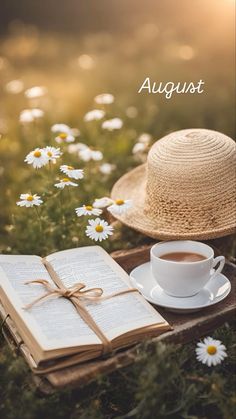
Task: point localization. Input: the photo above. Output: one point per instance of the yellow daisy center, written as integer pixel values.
(63, 135)
(99, 228)
(88, 207)
(65, 179)
(49, 154)
(37, 153)
(211, 349)
(120, 202)
(30, 198)
(70, 168)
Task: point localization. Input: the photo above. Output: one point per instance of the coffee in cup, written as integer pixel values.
(183, 268)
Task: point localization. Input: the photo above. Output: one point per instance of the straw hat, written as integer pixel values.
(186, 190)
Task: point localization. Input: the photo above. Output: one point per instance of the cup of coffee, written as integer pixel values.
(183, 268)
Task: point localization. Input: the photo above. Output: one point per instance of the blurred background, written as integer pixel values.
(78, 49)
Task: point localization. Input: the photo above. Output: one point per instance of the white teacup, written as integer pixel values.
(184, 279)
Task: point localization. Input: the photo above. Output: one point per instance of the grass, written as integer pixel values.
(166, 382)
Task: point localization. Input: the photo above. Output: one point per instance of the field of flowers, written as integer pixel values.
(71, 123)
(52, 95)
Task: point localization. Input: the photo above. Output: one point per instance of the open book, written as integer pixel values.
(53, 331)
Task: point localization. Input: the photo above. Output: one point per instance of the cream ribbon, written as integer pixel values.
(77, 294)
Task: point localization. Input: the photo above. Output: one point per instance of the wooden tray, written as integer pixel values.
(186, 327)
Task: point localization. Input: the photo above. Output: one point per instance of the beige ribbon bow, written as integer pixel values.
(77, 294)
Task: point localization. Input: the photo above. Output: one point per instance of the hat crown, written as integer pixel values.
(191, 179)
(186, 190)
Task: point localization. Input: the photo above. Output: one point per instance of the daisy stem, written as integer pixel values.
(39, 219)
(61, 206)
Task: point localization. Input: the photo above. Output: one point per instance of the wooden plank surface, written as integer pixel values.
(186, 327)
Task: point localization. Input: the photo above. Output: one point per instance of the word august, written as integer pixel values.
(169, 88)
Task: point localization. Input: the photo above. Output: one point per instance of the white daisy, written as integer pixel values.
(88, 154)
(75, 148)
(60, 128)
(86, 62)
(107, 168)
(14, 86)
(120, 206)
(103, 202)
(35, 92)
(104, 99)
(28, 200)
(26, 116)
(94, 115)
(210, 351)
(71, 172)
(145, 138)
(37, 113)
(64, 182)
(87, 210)
(64, 137)
(112, 124)
(53, 153)
(29, 115)
(139, 148)
(98, 230)
(38, 158)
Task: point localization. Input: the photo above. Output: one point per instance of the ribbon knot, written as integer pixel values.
(77, 290)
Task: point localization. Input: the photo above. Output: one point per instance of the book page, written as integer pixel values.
(95, 268)
(55, 322)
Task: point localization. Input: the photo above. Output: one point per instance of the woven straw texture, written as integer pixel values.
(186, 190)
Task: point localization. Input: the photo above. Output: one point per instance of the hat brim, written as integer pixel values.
(133, 186)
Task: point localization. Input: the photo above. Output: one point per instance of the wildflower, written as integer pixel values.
(64, 137)
(75, 148)
(29, 115)
(14, 86)
(106, 168)
(104, 99)
(94, 115)
(75, 132)
(37, 113)
(35, 92)
(71, 172)
(145, 138)
(88, 154)
(38, 158)
(87, 210)
(28, 200)
(86, 62)
(103, 202)
(112, 124)
(120, 206)
(26, 116)
(52, 153)
(60, 128)
(139, 148)
(98, 230)
(210, 351)
(64, 182)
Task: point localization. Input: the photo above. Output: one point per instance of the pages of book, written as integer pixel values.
(54, 323)
(95, 268)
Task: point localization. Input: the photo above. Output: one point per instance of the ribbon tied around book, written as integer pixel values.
(77, 294)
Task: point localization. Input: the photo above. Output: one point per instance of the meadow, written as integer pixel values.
(71, 72)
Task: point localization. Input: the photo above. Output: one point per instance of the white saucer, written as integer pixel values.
(214, 292)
